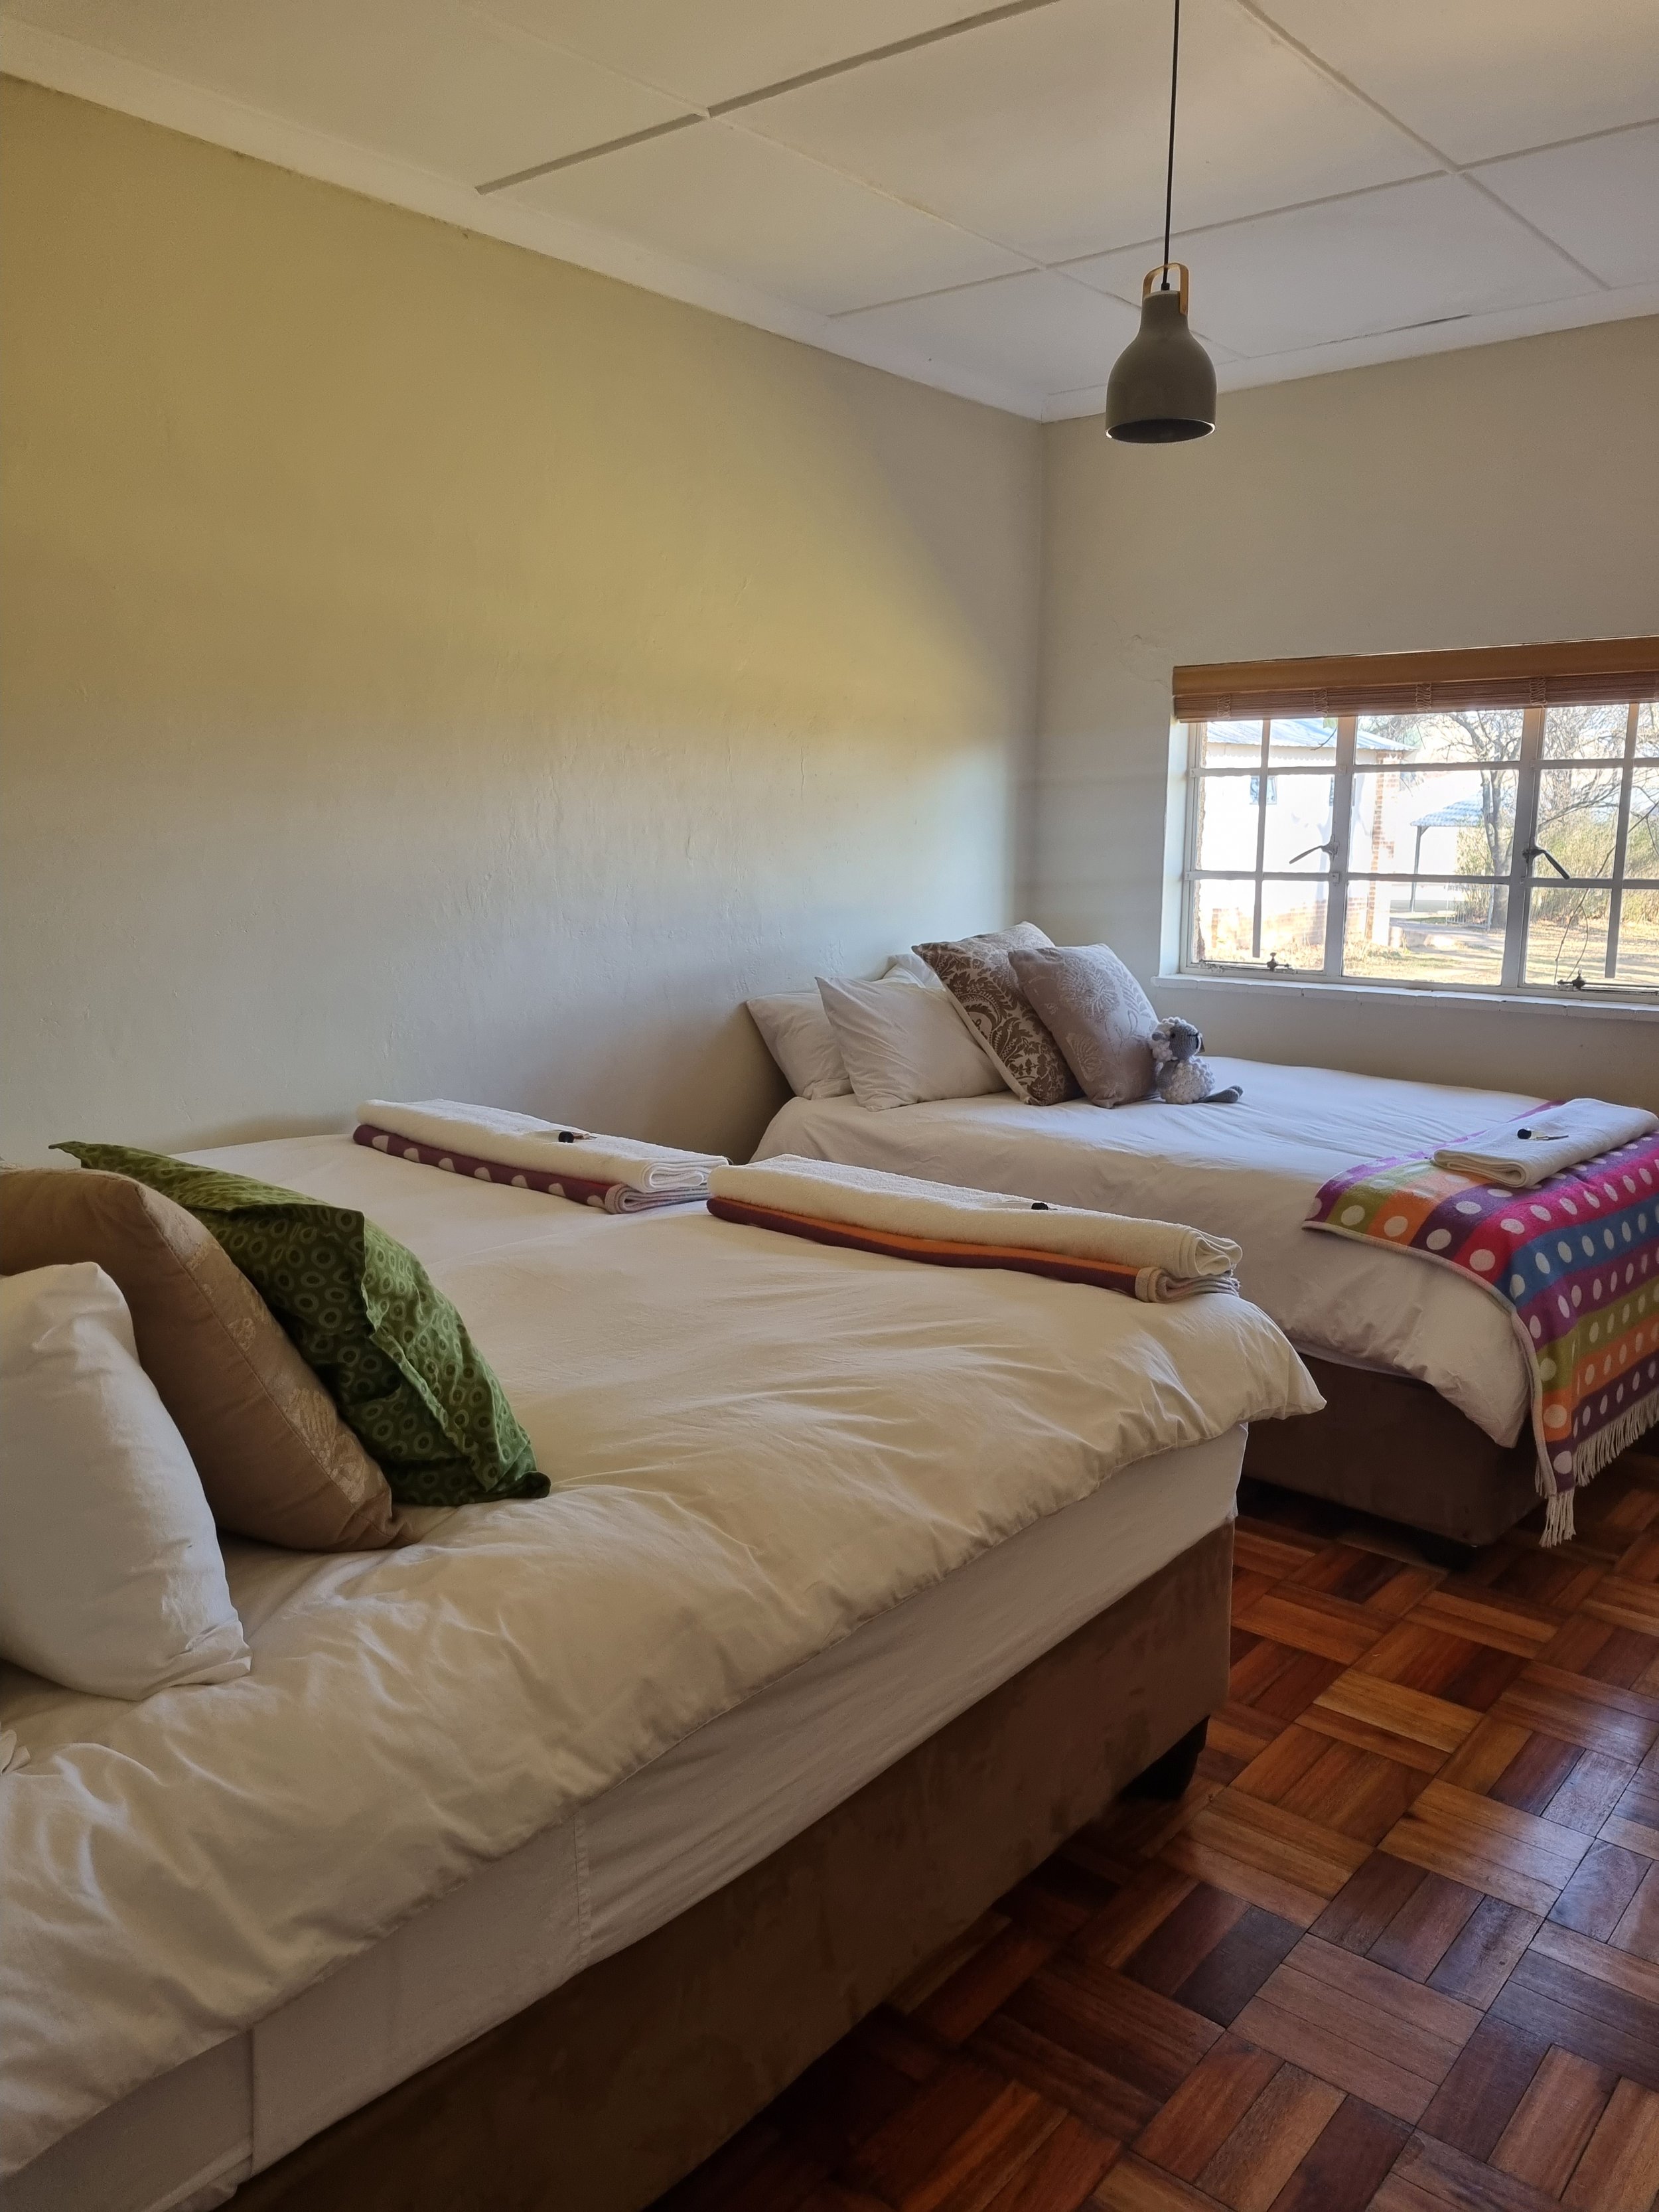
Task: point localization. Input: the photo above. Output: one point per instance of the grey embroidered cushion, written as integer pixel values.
(1100, 1016)
(978, 973)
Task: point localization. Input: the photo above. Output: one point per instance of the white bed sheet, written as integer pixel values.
(695, 1819)
(1248, 1171)
(757, 1445)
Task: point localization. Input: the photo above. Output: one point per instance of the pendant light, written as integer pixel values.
(1162, 388)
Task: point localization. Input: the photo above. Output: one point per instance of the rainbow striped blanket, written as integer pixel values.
(1575, 1262)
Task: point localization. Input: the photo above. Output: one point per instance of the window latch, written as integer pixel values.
(1330, 846)
(1532, 852)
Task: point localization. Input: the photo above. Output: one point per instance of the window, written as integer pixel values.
(1471, 821)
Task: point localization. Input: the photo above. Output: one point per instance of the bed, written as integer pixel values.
(1427, 1393)
(549, 1847)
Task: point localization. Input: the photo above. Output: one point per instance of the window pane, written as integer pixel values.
(1452, 822)
(1298, 822)
(1229, 745)
(1226, 821)
(1638, 941)
(1584, 732)
(1481, 734)
(1578, 818)
(1443, 932)
(1568, 938)
(1642, 843)
(1292, 923)
(1303, 741)
(1223, 917)
(1647, 728)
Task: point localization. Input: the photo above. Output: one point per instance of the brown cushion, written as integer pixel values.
(1097, 1013)
(276, 1460)
(976, 971)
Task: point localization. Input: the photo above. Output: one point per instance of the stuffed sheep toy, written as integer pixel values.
(1180, 1078)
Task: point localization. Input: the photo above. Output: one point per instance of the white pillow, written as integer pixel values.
(797, 1034)
(902, 1045)
(111, 1576)
(793, 1029)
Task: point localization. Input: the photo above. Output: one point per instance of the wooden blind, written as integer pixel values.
(1591, 673)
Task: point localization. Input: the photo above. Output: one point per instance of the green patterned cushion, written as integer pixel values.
(388, 1346)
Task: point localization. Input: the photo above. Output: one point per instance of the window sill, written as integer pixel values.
(1304, 986)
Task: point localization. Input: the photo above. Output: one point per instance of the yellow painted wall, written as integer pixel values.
(427, 668)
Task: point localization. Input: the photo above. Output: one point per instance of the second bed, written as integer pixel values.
(1427, 1392)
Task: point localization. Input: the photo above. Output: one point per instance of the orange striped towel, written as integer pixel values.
(1153, 1285)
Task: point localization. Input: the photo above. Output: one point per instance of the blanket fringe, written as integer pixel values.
(1596, 1453)
(1558, 1518)
(1604, 1446)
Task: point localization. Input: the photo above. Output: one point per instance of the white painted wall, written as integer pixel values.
(1504, 494)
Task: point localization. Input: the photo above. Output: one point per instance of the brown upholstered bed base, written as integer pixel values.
(598, 2097)
(1390, 1445)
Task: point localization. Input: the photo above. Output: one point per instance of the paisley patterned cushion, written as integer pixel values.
(387, 1345)
(977, 973)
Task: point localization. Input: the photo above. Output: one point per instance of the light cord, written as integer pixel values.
(1169, 174)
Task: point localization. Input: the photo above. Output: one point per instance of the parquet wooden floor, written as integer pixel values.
(1397, 1947)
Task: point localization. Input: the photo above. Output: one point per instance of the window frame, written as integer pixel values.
(1519, 881)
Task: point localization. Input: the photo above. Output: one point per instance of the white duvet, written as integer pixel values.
(756, 1445)
(1248, 1171)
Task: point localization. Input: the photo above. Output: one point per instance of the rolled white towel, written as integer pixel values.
(865, 1198)
(1534, 1146)
(520, 1140)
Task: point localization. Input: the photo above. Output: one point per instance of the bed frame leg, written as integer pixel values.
(1444, 1551)
(1168, 1777)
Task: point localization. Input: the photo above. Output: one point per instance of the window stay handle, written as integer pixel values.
(1531, 853)
(1330, 846)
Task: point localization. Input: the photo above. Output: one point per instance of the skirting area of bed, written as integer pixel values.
(1388, 1444)
(602, 2095)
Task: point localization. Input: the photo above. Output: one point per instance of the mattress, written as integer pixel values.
(1248, 1171)
(757, 1446)
(691, 1821)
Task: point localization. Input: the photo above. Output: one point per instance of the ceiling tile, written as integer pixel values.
(1392, 259)
(1599, 198)
(1491, 77)
(428, 81)
(1032, 334)
(719, 49)
(759, 214)
(1046, 131)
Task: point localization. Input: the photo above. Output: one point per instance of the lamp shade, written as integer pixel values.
(1162, 388)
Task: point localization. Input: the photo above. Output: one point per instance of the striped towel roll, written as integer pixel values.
(906, 1218)
(520, 1140)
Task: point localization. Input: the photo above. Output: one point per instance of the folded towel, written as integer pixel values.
(520, 1140)
(1535, 1147)
(580, 1190)
(864, 1198)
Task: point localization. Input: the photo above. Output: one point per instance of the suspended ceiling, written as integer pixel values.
(968, 199)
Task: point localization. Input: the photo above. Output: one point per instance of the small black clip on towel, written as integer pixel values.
(1040, 1205)
(1523, 1133)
